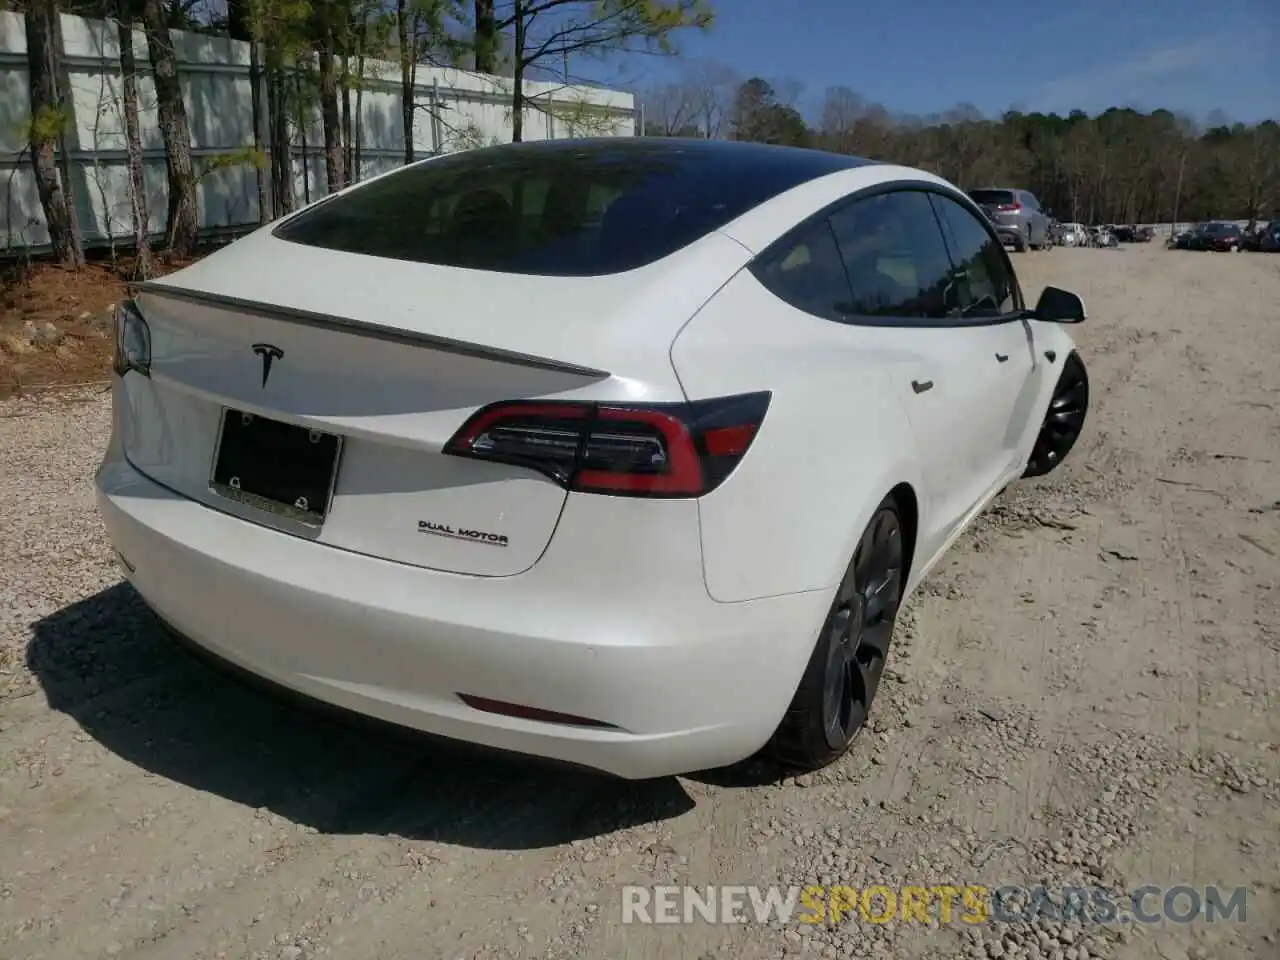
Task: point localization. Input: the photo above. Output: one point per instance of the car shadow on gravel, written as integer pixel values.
(106, 662)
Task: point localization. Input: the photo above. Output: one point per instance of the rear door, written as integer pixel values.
(903, 281)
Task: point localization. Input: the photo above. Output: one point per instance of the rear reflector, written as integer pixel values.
(634, 450)
(529, 713)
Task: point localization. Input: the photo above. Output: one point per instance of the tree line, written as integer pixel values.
(1120, 166)
(305, 53)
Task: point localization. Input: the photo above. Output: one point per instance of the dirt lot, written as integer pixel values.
(1085, 694)
(55, 324)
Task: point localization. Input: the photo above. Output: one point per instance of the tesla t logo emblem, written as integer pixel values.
(268, 353)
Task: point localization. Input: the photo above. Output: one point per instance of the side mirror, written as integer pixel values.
(1059, 306)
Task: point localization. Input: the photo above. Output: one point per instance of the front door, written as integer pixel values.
(986, 295)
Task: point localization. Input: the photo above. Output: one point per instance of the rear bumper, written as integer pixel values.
(685, 683)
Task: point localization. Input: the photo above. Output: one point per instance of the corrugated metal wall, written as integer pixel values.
(457, 110)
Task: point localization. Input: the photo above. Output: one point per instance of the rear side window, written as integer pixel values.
(554, 210)
(984, 286)
(894, 254)
(806, 271)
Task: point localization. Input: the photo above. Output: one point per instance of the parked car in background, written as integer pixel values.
(1074, 235)
(1269, 241)
(1192, 239)
(1256, 238)
(1220, 236)
(1101, 236)
(527, 511)
(1017, 216)
(1130, 233)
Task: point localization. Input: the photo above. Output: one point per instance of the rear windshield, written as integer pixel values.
(556, 209)
(1219, 228)
(993, 197)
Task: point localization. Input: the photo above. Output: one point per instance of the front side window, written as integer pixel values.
(984, 285)
(895, 256)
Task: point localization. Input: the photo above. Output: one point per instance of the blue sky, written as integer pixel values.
(923, 56)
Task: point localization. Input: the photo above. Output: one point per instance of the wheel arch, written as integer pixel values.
(904, 496)
(1072, 356)
(910, 510)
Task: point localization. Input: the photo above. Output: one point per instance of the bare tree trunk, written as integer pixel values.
(329, 115)
(301, 118)
(356, 156)
(143, 264)
(486, 40)
(348, 152)
(48, 118)
(282, 192)
(1177, 192)
(240, 27)
(66, 100)
(255, 82)
(407, 57)
(517, 93)
(182, 231)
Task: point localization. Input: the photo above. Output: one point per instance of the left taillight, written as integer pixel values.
(623, 449)
(133, 341)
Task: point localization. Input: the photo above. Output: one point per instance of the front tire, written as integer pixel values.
(844, 671)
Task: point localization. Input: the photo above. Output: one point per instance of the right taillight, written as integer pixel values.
(624, 449)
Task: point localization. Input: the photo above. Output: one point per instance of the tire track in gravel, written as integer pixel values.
(390, 882)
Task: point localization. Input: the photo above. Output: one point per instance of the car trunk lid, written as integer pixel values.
(317, 400)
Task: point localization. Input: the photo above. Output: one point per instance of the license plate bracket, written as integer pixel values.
(278, 467)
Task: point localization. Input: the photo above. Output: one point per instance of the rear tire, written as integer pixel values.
(844, 671)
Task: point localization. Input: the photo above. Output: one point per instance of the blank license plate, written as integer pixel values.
(274, 466)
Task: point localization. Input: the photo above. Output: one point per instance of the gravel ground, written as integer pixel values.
(1083, 694)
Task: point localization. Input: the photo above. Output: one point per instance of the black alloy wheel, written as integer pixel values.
(835, 695)
(1064, 419)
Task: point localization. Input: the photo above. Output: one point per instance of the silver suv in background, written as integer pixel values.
(1017, 216)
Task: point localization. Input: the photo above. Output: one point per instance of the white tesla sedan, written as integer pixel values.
(621, 452)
